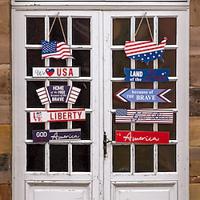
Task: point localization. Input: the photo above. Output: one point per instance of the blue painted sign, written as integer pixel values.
(60, 134)
(143, 95)
(146, 75)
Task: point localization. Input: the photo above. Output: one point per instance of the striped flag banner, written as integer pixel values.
(57, 50)
(58, 94)
(144, 51)
(144, 116)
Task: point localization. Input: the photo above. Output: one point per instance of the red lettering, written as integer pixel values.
(70, 72)
(59, 71)
(69, 115)
(64, 72)
(59, 115)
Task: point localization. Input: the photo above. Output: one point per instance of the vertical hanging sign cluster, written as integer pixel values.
(57, 93)
(144, 51)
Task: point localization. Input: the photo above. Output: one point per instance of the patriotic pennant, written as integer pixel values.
(57, 50)
(144, 51)
(146, 75)
(144, 116)
(58, 115)
(142, 137)
(58, 94)
(143, 95)
(60, 134)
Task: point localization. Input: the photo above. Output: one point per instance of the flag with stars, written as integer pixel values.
(57, 50)
(144, 51)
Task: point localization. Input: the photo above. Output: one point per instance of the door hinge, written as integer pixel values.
(105, 142)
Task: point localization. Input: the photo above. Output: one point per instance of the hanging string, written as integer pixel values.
(61, 26)
(148, 24)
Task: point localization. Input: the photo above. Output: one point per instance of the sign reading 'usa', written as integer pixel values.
(146, 75)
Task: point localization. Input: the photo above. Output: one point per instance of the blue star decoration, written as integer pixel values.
(148, 57)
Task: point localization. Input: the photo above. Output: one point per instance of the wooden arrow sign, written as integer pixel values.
(57, 115)
(142, 137)
(143, 95)
(146, 75)
(144, 116)
(55, 72)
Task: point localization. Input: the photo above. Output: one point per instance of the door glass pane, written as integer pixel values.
(118, 103)
(119, 61)
(167, 28)
(57, 62)
(121, 158)
(143, 32)
(33, 126)
(58, 158)
(35, 157)
(144, 127)
(56, 33)
(84, 126)
(82, 60)
(84, 96)
(81, 158)
(169, 61)
(34, 30)
(33, 60)
(167, 158)
(121, 31)
(143, 158)
(33, 100)
(80, 31)
(56, 125)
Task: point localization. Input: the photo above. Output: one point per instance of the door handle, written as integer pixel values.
(105, 142)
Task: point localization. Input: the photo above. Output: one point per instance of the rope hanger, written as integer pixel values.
(148, 24)
(61, 26)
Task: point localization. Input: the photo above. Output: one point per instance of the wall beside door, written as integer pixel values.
(194, 100)
(5, 100)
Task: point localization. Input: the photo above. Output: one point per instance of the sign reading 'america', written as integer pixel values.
(143, 95)
(142, 137)
(57, 115)
(146, 75)
(58, 94)
(144, 51)
(60, 134)
(55, 72)
(144, 116)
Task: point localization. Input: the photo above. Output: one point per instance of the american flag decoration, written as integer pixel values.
(57, 50)
(68, 95)
(145, 51)
(144, 116)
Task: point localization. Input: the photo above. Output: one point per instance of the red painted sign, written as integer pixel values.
(142, 137)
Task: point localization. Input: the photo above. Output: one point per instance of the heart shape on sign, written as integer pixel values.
(49, 71)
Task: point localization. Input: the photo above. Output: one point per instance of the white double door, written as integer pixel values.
(97, 167)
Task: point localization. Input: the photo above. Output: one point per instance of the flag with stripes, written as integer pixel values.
(144, 116)
(144, 51)
(58, 94)
(57, 50)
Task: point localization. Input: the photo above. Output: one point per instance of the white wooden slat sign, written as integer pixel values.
(55, 72)
(58, 115)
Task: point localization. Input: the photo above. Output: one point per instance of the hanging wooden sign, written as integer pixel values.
(55, 72)
(59, 134)
(143, 95)
(144, 116)
(146, 75)
(58, 94)
(145, 51)
(58, 115)
(142, 137)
